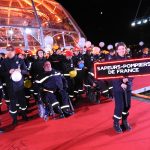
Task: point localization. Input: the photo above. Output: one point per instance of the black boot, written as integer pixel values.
(0, 109)
(1, 131)
(116, 126)
(60, 112)
(125, 125)
(51, 112)
(67, 112)
(24, 116)
(15, 121)
(98, 97)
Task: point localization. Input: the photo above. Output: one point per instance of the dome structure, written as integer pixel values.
(36, 23)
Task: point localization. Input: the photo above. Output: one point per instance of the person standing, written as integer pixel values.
(122, 94)
(37, 70)
(15, 88)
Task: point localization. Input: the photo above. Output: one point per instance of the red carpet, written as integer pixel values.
(141, 82)
(90, 128)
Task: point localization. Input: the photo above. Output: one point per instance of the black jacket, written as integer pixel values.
(52, 80)
(117, 82)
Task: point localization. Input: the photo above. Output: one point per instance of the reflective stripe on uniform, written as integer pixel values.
(42, 80)
(125, 113)
(86, 85)
(27, 96)
(7, 101)
(80, 90)
(35, 93)
(105, 91)
(1, 87)
(78, 69)
(13, 112)
(55, 103)
(71, 96)
(117, 117)
(65, 106)
(91, 73)
(45, 78)
(23, 108)
(48, 91)
(66, 74)
(110, 88)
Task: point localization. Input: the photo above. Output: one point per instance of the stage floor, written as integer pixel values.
(90, 128)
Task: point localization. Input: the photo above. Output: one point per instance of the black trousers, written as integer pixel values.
(1, 95)
(17, 98)
(60, 97)
(122, 103)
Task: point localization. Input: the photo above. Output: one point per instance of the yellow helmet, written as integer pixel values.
(27, 84)
(73, 73)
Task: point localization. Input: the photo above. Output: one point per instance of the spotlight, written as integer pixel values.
(133, 24)
(139, 22)
(145, 21)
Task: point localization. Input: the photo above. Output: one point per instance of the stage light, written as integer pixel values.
(145, 21)
(133, 24)
(139, 22)
(28, 31)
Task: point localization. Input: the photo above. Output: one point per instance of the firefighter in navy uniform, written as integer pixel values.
(51, 84)
(1, 87)
(1, 93)
(77, 56)
(37, 70)
(78, 61)
(56, 60)
(88, 63)
(15, 88)
(67, 67)
(27, 83)
(122, 94)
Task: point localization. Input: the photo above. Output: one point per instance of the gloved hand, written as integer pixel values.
(124, 86)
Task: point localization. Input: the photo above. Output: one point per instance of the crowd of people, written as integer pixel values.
(58, 79)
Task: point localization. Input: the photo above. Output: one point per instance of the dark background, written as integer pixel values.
(114, 25)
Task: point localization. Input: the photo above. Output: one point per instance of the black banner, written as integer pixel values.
(120, 69)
